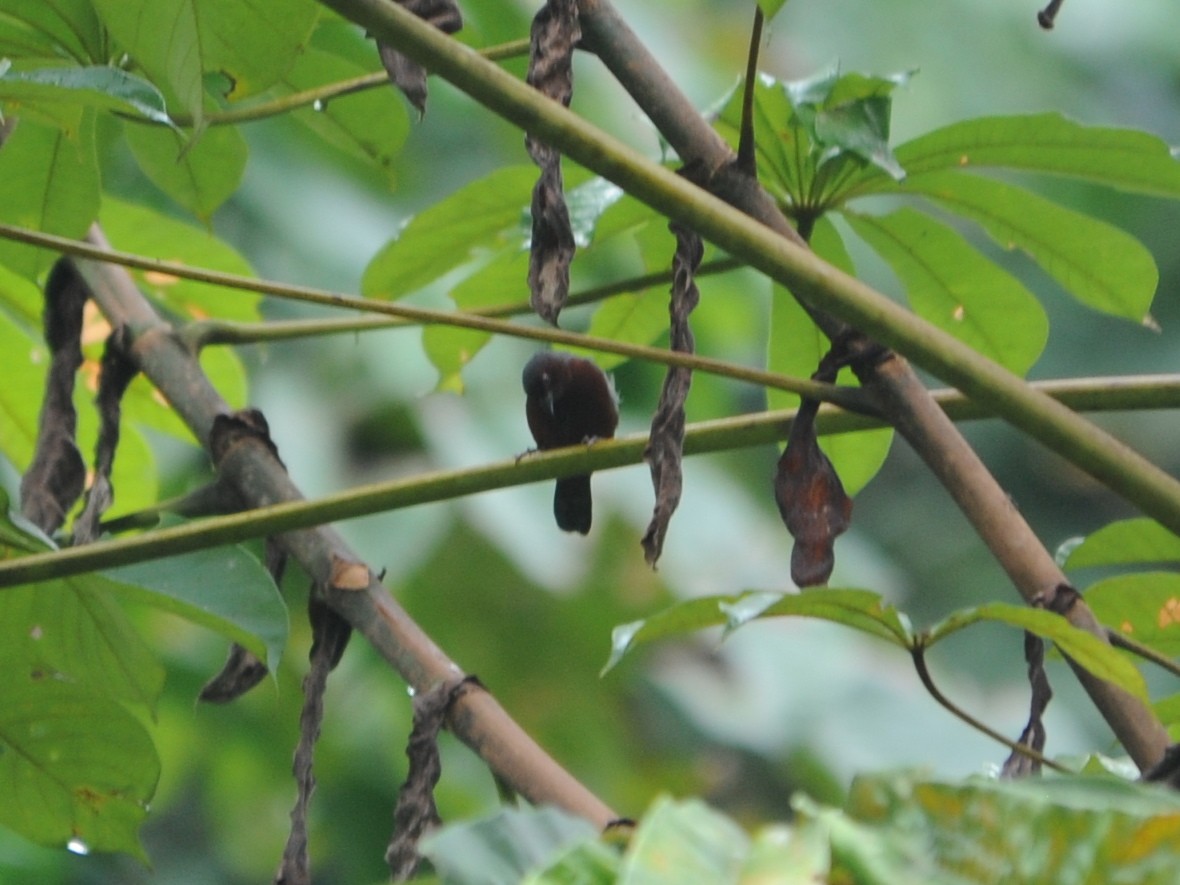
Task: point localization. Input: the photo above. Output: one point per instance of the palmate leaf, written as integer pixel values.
(199, 171)
(177, 42)
(1086, 649)
(861, 609)
(1128, 541)
(952, 285)
(1145, 606)
(816, 135)
(46, 30)
(49, 181)
(1125, 159)
(75, 767)
(1100, 265)
(98, 86)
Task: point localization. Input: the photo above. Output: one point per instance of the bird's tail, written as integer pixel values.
(572, 505)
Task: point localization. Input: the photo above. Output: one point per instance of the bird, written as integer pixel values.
(569, 401)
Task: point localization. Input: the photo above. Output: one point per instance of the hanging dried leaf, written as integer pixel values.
(554, 34)
(1033, 736)
(230, 430)
(811, 500)
(330, 634)
(665, 446)
(408, 75)
(57, 474)
(416, 812)
(115, 374)
(243, 669)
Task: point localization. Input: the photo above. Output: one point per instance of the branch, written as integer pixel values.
(769, 246)
(849, 397)
(477, 718)
(701, 438)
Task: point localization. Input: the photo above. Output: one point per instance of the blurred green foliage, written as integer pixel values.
(314, 196)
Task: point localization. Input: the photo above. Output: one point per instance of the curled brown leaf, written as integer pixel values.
(416, 812)
(665, 447)
(554, 34)
(1033, 735)
(115, 374)
(330, 634)
(404, 73)
(57, 474)
(811, 501)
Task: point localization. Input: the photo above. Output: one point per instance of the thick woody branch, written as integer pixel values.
(259, 479)
(769, 247)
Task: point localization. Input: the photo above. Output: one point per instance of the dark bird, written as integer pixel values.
(569, 401)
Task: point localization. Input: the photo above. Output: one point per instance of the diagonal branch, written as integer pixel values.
(769, 246)
(477, 718)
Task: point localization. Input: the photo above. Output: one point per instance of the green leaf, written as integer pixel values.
(72, 629)
(483, 217)
(49, 181)
(75, 767)
(1127, 541)
(224, 588)
(178, 41)
(956, 288)
(505, 846)
(70, 25)
(100, 87)
(144, 231)
(371, 124)
(586, 863)
(1050, 143)
(134, 474)
(677, 620)
(770, 8)
(17, 534)
(684, 841)
(450, 348)
(162, 38)
(795, 347)
(1098, 264)
(1145, 606)
(1089, 830)
(1086, 649)
(860, 609)
(811, 132)
(200, 171)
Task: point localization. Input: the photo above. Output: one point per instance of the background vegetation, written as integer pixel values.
(787, 705)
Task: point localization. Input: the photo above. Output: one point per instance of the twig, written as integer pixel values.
(704, 437)
(773, 247)
(918, 653)
(849, 397)
(253, 470)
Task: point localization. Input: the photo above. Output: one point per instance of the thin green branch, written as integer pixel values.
(823, 286)
(321, 94)
(201, 333)
(742, 431)
(847, 397)
(918, 653)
